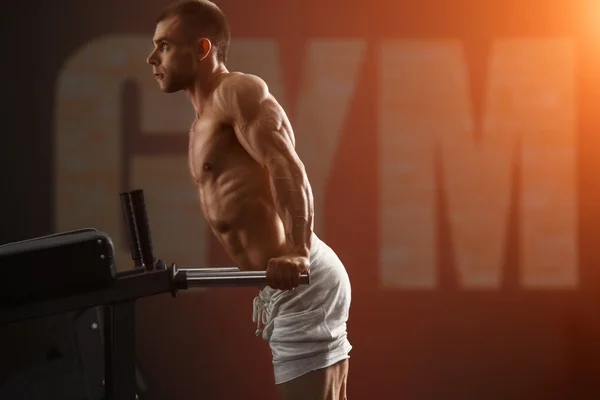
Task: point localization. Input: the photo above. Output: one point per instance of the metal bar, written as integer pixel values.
(140, 216)
(124, 288)
(119, 347)
(195, 278)
(210, 269)
(130, 232)
(142, 284)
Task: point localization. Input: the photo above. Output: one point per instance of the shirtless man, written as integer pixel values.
(256, 197)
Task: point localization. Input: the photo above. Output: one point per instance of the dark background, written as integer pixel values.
(508, 343)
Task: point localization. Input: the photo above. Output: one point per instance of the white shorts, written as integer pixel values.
(306, 327)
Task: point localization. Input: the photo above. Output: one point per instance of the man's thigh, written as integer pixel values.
(323, 384)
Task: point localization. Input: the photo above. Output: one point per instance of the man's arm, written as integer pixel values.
(258, 121)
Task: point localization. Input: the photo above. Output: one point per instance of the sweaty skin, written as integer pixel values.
(252, 186)
(253, 189)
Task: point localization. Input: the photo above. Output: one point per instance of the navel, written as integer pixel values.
(207, 167)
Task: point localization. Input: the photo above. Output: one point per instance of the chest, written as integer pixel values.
(211, 145)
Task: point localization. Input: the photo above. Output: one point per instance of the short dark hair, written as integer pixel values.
(202, 18)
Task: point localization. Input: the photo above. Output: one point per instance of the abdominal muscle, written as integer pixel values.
(241, 212)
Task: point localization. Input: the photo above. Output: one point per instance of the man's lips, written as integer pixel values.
(158, 76)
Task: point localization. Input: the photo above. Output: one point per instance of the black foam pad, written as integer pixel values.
(54, 266)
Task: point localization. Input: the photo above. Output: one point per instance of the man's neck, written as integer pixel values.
(204, 86)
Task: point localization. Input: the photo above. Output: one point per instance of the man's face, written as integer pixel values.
(173, 60)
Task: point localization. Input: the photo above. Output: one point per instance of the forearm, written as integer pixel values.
(294, 199)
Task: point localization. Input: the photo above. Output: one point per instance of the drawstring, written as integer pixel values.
(259, 313)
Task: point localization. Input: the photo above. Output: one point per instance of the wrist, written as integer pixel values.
(301, 251)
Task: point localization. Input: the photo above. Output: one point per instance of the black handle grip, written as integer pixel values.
(129, 225)
(138, 206)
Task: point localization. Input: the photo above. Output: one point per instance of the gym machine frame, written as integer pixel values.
(148, 277)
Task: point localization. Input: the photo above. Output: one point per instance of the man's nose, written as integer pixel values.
(151, 59)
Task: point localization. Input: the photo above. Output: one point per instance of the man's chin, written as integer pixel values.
(166, 89)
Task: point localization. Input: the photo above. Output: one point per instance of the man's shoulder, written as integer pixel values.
(238, 83)
(237, 94)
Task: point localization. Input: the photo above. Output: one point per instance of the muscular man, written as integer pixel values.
(256, 197)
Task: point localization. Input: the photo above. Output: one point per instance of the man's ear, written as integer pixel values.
(203, 48)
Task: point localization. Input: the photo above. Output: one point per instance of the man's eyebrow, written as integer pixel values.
(160, 39)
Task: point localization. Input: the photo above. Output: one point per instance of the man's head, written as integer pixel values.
(189, 34)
